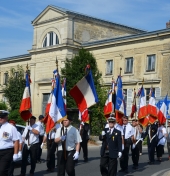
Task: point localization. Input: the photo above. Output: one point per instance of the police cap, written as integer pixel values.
(111, 119)
(3, 113)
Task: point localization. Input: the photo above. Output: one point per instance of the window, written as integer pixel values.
(50, 39)
(109, 67)
(129, 65)
(151, 63)
(5, 78)
(148, 93)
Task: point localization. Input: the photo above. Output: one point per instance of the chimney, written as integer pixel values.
(168, 25)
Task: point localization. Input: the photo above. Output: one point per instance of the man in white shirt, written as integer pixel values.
(68, 140)
(161, 141)
(41, 136)
(168, 139)
(9, 143)
(128, 140)
(31, 139)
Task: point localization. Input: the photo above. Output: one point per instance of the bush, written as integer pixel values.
(15, 115)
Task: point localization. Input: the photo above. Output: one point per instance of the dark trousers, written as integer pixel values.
(83, 145)
(11, 169)
(51, 148)
(108, 166)
(67, 165)
(6, 157)
(135, 155)
(125, 157)
(39, 148)
(140, 146)
(151, 151)
(168, 147)
(33, 155)
(159, 150)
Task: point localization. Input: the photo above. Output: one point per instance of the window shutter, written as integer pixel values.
(54, 38)
(48, 39)
(157, 92)
(129, 101)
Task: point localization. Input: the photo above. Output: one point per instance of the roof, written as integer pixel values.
(69, 12)
(15, 57)
(145, 34)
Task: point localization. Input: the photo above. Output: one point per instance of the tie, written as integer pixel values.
(28, 137)
(124, 131)
(65, 132)
(110, 132)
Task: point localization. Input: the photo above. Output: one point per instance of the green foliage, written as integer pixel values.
(3, 106)
(15, 115)
(74, 71)
(14, 92)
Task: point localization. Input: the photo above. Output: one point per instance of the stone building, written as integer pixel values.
(60, 33)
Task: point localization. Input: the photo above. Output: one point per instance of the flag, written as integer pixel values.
(144, 121)
(25, 107)
(113, 96)
(152, 109)
(84, 92)
(142, 105)
(163, 112)
(120, 105)
(64, 92)
(84, 116)
(57, 110)
(108, 108)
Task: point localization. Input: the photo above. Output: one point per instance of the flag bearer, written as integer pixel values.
(31, 139)
(68, 140)
(51, 148)
(9, 143)
(128, 140)
(111, 149)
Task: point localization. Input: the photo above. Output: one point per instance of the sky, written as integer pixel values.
(16, 30)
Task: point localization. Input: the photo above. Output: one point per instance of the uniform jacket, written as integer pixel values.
(113, 141)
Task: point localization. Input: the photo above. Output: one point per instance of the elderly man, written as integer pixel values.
(111, 148)
(9, 143)
(68, 140)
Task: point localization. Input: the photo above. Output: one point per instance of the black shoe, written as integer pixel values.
(85, 159)
(135, 167)
(38, 161)
(121, 170)
(150, 162)
(126, 171)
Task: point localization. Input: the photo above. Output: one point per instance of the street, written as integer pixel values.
(91, 168)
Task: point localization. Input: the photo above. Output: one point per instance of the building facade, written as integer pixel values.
(59, 33)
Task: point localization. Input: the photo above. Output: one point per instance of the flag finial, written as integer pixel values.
(56, 61)
(120, 71)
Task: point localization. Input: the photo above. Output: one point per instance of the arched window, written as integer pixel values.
(50, 39)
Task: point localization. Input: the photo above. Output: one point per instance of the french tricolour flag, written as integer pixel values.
(25, 106)
(57, 110)
(163, 112)
(84, 92)
(142, 106)
(64, 92)
(108, 108)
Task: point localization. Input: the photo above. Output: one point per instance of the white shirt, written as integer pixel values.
(51, 135)
(129, 131)
(168, 137)
(8, 134)
(73, 137)
(137, 134)
(119, 127)
(19, 137)
(41, 128)
(33, 138)
(161, 132)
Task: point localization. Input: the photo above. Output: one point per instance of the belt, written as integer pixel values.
(7, 149)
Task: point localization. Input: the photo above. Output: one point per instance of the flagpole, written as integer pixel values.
(135, 103)
(29, 90)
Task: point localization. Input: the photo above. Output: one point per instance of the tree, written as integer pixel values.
(14, 91)
(73, 71)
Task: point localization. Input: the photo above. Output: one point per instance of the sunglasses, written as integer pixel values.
(111, 122)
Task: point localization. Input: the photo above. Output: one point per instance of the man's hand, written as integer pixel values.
(123, 147)
(42, 145)
(103, 133)
(29, 128)
(76, 155)
(120, 154)
(15, 157)
(19, 154)
(63, 138)
(133, 146)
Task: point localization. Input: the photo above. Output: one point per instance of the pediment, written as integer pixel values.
(48, 14)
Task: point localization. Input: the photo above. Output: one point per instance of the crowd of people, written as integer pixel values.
(67, 141)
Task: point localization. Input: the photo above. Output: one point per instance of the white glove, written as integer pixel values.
(63, 138)
(133, 146)
(103, 133)
(76, 156)
(82, 123)
(123, 147)
(15, 157)
(120, 154)
(42, 145)
(19, 154)
(29, 128)
(141, 139)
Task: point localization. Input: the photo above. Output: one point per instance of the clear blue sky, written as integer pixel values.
(16, 31)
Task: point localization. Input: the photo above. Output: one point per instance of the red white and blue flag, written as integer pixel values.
(142, 105)
(108, 108)
(84, 92)
(152, 109)
(163, 112)
(57, 110)
(64, 92)
(84, 116)
(25, 107)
